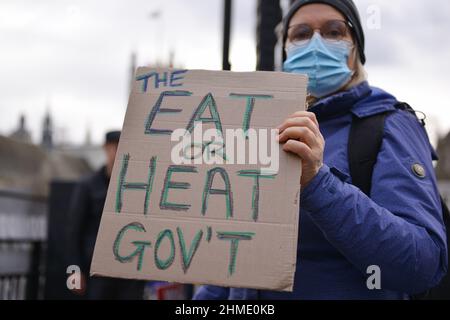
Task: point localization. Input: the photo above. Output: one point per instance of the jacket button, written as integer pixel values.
(419, 171)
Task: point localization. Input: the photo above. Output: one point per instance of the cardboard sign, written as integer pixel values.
(172, 213)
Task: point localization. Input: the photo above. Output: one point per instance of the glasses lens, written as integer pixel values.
(334, 30)
(300, 32)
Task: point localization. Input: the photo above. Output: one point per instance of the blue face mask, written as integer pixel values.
(324, 62)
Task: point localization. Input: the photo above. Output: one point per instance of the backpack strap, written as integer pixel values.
(364, 144)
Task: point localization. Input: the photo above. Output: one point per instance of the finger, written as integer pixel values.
(302, 134)
(307, 114)
(299, 148)
(300, 122)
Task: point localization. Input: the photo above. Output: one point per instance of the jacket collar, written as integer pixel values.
(341, 102)
(362, 100)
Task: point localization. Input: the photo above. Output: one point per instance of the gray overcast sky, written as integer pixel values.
(73, 56)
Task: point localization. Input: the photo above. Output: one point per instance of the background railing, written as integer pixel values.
(23, 229)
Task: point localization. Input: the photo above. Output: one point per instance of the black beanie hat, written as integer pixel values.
(346, 7)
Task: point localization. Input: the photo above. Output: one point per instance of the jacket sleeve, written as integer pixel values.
(212, 293)
(78, 211)
(400, 229)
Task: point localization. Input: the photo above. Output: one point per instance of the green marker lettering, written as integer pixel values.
(256, 175)
(164, 264)
(187, 256)
(140, 245)
(122, 185)
(251, 99)
(210, 190)
(164, 204)
(208, 101)
(234, 237)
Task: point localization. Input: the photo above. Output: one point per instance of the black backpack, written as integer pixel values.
(365, 140)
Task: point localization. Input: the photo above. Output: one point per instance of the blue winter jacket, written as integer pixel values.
(342, 232)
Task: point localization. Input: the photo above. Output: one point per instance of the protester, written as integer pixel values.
(85, 214)
(343, 233)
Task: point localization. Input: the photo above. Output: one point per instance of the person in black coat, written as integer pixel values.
(84, 220)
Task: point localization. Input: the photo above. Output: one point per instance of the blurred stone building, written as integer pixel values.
(36, 183)
(21, 133)
(26, 173)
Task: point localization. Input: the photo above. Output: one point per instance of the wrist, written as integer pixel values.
(314, 183)
(308, 176)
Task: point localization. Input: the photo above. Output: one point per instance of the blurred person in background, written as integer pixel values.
(343, 232)
(84, 220)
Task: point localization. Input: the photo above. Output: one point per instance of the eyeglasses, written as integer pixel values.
(333, 30)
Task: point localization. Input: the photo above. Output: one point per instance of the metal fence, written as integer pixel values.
(23, 229)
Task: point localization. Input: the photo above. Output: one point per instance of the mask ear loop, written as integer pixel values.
(354, 74)
(356, 60)
(354, 51)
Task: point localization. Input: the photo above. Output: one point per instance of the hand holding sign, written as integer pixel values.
(300, 135)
